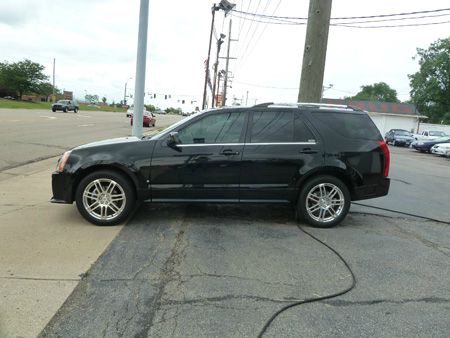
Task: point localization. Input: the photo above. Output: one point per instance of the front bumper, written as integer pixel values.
(62, 184)
(402, 142)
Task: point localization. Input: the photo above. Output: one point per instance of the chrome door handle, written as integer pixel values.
(229, 152)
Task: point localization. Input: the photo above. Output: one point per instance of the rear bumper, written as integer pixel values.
(62, 188)
(372, 190)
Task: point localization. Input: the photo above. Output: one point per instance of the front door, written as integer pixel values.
(205, 166)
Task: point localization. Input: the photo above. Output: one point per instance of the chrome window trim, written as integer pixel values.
(243, 144)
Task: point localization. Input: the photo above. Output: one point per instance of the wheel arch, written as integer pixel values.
(339, 173)
(83, 172)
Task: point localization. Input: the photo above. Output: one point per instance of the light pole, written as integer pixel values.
(226, 7)
(125, 92)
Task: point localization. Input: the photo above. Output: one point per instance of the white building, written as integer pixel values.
(387, 115)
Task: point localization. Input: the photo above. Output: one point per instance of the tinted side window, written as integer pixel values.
(356, 126)
(215, 128)
(301, 131)
(272, 127)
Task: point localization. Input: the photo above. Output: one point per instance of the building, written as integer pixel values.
(387, 115)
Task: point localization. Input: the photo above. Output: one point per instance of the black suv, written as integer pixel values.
(316, 157)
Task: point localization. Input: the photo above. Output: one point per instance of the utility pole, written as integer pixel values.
(314, 54)
(139, 86)
(207, 76)
(225, 80)
(246, 98)
(54, 95)
(216, 66)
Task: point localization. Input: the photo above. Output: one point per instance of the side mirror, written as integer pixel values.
(173, 139)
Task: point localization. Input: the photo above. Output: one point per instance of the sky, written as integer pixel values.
(94, 43)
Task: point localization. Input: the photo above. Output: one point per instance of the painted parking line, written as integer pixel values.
(48, 117)
(86, 125)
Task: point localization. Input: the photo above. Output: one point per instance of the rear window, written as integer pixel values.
(356, 126)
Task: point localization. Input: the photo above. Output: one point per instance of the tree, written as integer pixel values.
(150, 107)
(46, 88)
(377, 92)
(104, 100)
(22, 77)
(92, 99)
(430, 86)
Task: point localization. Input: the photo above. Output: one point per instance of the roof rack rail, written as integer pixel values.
(262, 105)
(307, 105)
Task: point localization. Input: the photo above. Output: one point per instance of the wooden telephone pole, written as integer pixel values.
(315, 51)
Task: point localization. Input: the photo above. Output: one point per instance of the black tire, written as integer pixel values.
(153, 125)
(104, 178)
(75, 110)
(54, 110)
(65, 110)
(305, 208)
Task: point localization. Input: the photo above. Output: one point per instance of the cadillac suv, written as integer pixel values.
(316, 157)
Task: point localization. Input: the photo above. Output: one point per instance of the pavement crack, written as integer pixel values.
(43, 279)
(168, 275)
(204, 274)
(208, 300)
(431, 300)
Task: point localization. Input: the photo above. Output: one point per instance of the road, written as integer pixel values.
(28, 136)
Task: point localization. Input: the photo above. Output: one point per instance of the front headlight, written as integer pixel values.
(62, 161)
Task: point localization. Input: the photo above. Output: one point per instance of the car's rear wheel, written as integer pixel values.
(54, 110)
(324, 201)
(105, 197)
(65, 110)
(75, 110)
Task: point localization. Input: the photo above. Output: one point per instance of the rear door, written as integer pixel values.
(280, 147)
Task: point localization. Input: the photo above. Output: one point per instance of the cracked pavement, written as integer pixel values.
(222, 271)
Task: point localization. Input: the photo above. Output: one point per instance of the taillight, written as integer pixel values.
(387, 157)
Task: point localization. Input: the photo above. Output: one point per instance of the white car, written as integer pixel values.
(442, 149)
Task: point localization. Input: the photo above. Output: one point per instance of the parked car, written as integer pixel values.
(65, 106)
(317, 157)
(429, 135)
(442, 149)
(148, 119)
(399, 137)
(425, 146)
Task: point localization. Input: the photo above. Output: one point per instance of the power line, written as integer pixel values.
(243, 56)
(348, 17)
(393, 26)
(346, 24)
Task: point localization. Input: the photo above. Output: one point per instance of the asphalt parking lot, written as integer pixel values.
(222, 271)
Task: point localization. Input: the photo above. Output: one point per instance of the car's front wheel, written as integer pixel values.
(75, 110)
(324, 201)
(105, 197)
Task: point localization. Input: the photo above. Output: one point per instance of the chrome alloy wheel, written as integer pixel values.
(104, 199)
(325, 202)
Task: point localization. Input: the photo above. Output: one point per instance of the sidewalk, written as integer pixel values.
(44, 248)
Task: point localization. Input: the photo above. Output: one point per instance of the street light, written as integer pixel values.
(324, 88)
(125, 92)
(226, 6)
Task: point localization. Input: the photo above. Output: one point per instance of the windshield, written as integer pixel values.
(62, 101)
(402, 133)
(174, 126)
(437, 133)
